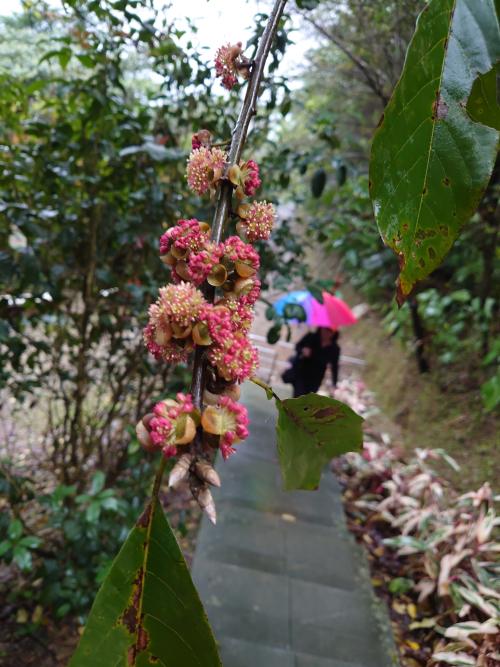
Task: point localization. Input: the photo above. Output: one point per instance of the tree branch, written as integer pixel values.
(360, 64)
(223, 205)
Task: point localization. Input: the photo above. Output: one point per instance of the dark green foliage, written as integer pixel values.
(92, 166)
(340, 107)
(148, 610)
(64, 558)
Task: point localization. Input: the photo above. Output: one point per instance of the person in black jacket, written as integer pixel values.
(315, 351)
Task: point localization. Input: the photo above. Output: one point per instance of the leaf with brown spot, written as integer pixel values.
(433, 155)
(312, 430)
(147, 611)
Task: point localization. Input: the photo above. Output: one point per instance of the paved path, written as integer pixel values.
(282, 580)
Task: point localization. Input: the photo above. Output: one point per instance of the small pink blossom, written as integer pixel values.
(241, 315)
(259, 220)
(218, 322)
(236, 250)
(200, 264)
(165, 428)
(249, 298)
(204, 168)
(229, 62)
(171, 318)
(186, 235)
(201, 138)
(171, 352)
(250, 177)
(178, 304)
(235, 358)
(237, 417)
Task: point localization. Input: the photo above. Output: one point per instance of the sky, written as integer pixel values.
(218, 22)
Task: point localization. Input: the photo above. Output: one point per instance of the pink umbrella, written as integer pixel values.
(333, 313)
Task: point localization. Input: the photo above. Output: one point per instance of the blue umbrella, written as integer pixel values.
(296, 298)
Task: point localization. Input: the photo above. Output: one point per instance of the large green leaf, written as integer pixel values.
(430, 161)
(147, 611)
(312, 430)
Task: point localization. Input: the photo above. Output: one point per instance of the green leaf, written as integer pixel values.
(312, 430)
(64, 56)
(93, 512)
(15, 529)
(273, 335)
(97, 483)
(22, 557)
(109, 503)
(431, 163)
(400, 585)
(490, 393)
(147, 611)
(270, 313)
(307, 4)
(341, 174)
(5, 546)
(318, 182)
(30, 541)
(316, 291)
(482, 105)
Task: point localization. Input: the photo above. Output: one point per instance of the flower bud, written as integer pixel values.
(168, 259)
(243, 286)
(206, 473)
(180, 470)
(205, 500)
(180, 331)
(146, 420)
(234, 174)
(179, 253)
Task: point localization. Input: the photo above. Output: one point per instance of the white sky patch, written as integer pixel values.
(218, 22)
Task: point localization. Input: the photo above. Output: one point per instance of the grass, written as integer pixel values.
(439, 409)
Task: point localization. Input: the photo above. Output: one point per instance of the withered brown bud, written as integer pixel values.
(206, 502)
(180, 470)
(205, 471)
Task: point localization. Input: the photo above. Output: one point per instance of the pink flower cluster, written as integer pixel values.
(188, 250)
(182, 317)
(171, 319)
(257, 220)
(205, 168)
(236, 250)
(235, 358)
(170, 425)
(250, 177)
(238, 413)
(229, 62)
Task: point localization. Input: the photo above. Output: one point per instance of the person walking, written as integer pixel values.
(315, 351)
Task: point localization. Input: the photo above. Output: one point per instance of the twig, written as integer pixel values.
(364, 67)
(223, 205)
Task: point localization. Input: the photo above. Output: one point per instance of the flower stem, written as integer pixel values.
(158, 478)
